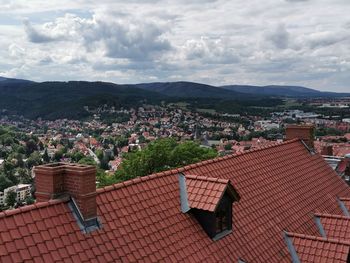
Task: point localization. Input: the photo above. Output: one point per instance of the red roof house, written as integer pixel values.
(265, 205)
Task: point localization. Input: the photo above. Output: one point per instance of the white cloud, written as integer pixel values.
(295, 42)
(126, 37)
(211, 51)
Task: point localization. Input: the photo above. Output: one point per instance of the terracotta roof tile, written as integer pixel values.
(346, 201)
(316, 249)
(280, 188)
(204, 192)
(335, 226)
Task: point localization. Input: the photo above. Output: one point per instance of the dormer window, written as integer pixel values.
(223, 217)
(209, 200)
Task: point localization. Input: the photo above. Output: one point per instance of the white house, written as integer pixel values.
(22, 191)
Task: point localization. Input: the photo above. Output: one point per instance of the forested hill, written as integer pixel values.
(283, 91)
(51, 100)
(186, 89)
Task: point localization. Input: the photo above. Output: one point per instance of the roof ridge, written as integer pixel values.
(315, 238)
(187, 167)
(34, 206)
(332, 216)
(344, 198)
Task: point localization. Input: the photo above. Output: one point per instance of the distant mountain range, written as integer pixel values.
(190, 90)
(284, 91)
(9, 81)
(66, 99)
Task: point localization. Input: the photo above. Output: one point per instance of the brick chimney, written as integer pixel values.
(327, 150)
(59, 180)
(303, 132)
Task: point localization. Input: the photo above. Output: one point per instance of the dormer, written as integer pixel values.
(209, 200)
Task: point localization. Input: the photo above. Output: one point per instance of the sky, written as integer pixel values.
(217, 42)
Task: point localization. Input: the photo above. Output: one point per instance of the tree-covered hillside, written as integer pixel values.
(57, 100)
(52, 100)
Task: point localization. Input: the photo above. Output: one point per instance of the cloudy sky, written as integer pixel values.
(294, 42)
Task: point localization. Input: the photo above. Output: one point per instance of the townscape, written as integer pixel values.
(196, 131)
(104, 143)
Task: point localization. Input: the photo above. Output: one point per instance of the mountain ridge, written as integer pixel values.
(190, 89)
(181, 89)
(57, 99)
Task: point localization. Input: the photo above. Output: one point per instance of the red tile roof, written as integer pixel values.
(316, 249)
(335, 226)
(205, 192)
(346, 201)
(280, 187)
(343, 164)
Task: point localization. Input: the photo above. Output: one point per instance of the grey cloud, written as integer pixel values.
(34, 35)
(140, 66)
(279, 37)
(136, 41)
(274, 66)
(323, 39)
(46, 60)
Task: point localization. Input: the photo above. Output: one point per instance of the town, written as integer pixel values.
(110, 135)
(175, 131)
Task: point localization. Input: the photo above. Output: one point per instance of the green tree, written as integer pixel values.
(104, 179)
(115, 150)
(41, 146)
(58, 156)
(162, 155)
(228, 147)
(20, 162)
(8, 167)
(21, 149)
(29, 200)
(99, 154)
(77, 156)
(34, 159)
(87, 160)
(11, 198)
(31, 146)
(121, 141)
(142, 139)
(8, 140)
(104, 163)
(190, 152)
(4, 182)
(46, 157)
(24, 176)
